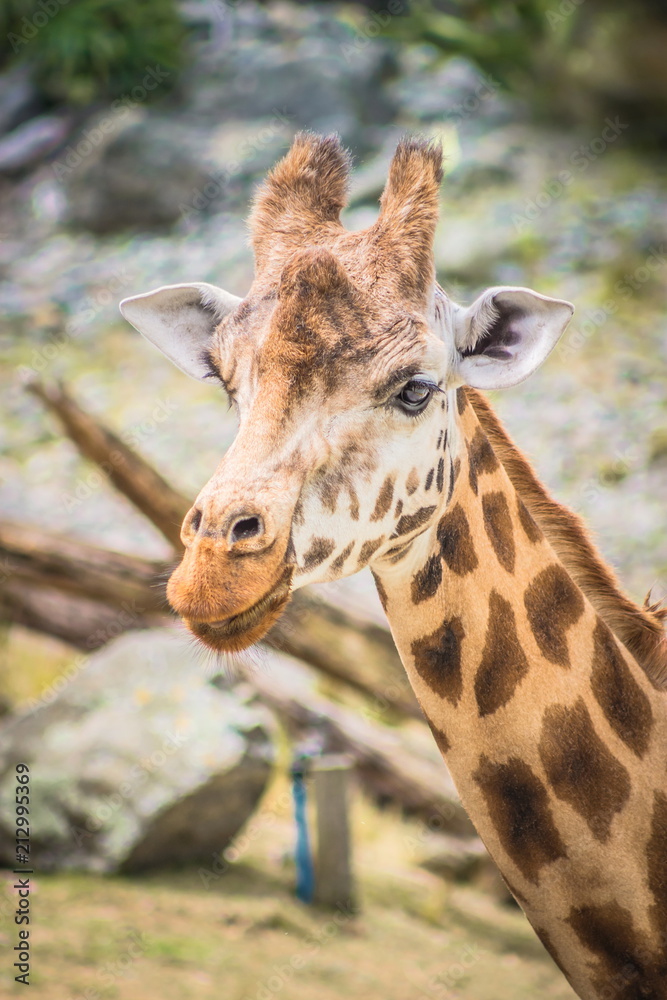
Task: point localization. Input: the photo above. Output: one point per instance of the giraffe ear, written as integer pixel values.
(180, 321)
(506, 334)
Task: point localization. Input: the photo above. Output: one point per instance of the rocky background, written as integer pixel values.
(120, 173)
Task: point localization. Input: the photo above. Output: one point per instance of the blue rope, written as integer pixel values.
(305, 875)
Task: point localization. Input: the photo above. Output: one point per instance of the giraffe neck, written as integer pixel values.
(554, 736)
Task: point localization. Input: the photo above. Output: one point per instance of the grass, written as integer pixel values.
(167, 937)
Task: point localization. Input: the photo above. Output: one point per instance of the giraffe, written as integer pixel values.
(365, 439)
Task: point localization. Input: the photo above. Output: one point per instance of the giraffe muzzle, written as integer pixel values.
(242, 630)
(234, 579)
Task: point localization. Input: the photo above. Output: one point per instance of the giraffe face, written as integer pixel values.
(349, 402)
(342, 369)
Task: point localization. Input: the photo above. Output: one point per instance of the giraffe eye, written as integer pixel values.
(414, 396)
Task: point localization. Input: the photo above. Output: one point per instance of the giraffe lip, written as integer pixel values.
(241, 630)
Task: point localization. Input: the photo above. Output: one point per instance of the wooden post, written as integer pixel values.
(334, 882)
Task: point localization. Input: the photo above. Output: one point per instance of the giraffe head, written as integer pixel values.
(342, 363)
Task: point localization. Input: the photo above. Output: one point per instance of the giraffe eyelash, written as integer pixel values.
(426, 384)
(211, 369)
(213, 373)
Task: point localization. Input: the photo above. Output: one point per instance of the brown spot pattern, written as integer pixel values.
(429, 479)
(533, 533)
(626, 707)
(368, 548)
(504, 663)
(354, 503)
(319, 550)
(518, 806)
(440, 737)
(438, 659)
(545, 938)
(461, 400)
(337, 563)
(453, 476)
(499, 528)
(481, 458)
(298, 516)
(456, 542)
(382, 593)
(408, 522)
(412, 482)
(553, 604)
(626, 969)
(399, 508)
(440, 477)
(426, 581)
(397, 552)
(328, 489)
(656, 859)
(385, 497)
(582, 771)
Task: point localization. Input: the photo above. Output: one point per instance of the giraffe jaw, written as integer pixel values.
(231, 635)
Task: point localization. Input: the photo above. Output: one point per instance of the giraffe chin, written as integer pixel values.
(231, 635)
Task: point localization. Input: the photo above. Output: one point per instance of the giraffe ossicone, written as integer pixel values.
(363, 440)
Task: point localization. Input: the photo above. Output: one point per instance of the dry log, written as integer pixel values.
(84, 623)
(128, 472)
(69, 565)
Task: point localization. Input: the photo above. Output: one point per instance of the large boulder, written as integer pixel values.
(137, 762)
(308, 64)
(257, 79)
(139, 173)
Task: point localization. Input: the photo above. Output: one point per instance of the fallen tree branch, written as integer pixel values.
(69, 565)
(84, 623)
(129, 473)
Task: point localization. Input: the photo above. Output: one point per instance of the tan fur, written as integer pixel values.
(305, 191)
(299, 204)
(409, 213)
(641, 630)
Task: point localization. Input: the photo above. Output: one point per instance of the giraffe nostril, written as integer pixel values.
(246, 527)
(195, 520)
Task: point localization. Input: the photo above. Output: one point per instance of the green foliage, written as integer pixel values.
(523, 46)
(572, 61)
(507, 40)
(84, 50)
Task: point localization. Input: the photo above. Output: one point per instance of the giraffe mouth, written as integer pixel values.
(240, 631)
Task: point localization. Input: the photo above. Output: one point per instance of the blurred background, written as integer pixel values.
(132, 137)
